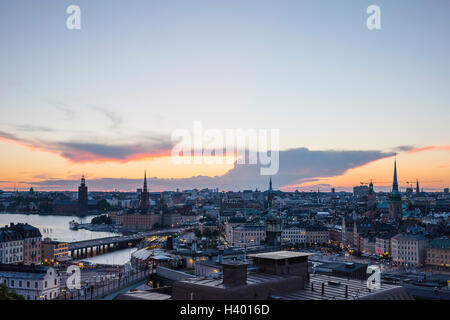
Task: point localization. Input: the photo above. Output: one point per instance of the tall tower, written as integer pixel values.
(270, 195)
(395, 199)
(371, 197)
(82, 198)
(145, 203)
(417, 188)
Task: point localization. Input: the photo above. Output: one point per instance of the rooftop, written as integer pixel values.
(278, 255)
(335, 289)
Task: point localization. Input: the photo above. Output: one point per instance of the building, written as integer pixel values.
(293, 234)
(438, 252)
(273, 228)
(232, 223)
(360, 191)
(369, 244)
(395, 198)
(83, 198)
(31, 242)
(348, 270)
(383, 244)
(248, 235)
(12, 244)
(54, 251)
(317, 234)
(371, 198)
(409, 249)
(140, 221)
(347, 231)
(145, 197)
(32, 282)
(280, 275)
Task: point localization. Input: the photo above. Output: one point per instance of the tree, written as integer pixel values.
(101, 219)
(8, 294)
(103, 205)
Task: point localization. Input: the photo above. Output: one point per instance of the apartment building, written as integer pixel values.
(293, 234)
(409, 249)
(11, 246)
(248, 235)
(32, 282)
(438, 252)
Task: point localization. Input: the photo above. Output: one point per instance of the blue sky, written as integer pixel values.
(309, 68)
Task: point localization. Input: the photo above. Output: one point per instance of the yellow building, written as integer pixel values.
(438, 252)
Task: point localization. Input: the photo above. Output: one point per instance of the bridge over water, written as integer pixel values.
(95, 247)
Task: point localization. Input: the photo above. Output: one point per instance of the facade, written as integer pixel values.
(140, 222)
(383, 244)
(317, 234)
(347, 231)
(31, 243)
(438, 252)
(171, 219)
(232, 223)
(248, 235)
(54, 251)
(409, 250)
(32, 282)
(11, 246)
(20, 243)
(273, 230)
(293, 234)
(369, 243)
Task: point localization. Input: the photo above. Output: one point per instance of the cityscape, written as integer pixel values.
(183, 244)
(191, 153)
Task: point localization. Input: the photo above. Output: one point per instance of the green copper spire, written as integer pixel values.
(270, 184)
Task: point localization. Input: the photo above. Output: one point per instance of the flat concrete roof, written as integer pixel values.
(278, 255)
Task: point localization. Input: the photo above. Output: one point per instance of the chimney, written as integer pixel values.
(235, 273)
(220, 256)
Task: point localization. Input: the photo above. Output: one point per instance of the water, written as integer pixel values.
(55, 227)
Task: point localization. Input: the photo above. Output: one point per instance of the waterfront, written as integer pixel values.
(55, 227)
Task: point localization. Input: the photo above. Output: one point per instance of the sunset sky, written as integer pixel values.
(105, 100)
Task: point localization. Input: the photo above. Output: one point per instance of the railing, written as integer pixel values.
(104, 287)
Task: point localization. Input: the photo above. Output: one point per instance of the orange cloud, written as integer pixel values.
(430, 148)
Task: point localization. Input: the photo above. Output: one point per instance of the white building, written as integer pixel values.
(248, 235)
(409, 250)
(32, 282)
(293, 234)
(11, 246)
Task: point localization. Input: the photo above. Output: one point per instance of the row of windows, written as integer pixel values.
(12, 283)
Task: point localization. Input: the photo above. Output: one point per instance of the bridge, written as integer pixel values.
(95, 247)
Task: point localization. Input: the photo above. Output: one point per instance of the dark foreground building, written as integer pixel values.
(281, 275)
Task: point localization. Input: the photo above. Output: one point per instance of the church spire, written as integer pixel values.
(270, 184)
(145, 180)
(417, 187)
(395, 183)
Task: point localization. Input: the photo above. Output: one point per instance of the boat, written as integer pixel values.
(73, 225)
